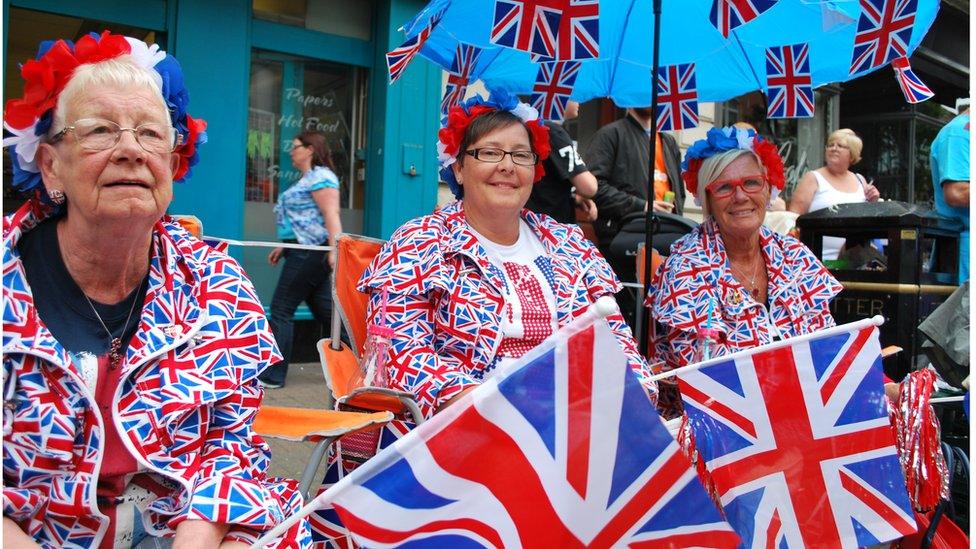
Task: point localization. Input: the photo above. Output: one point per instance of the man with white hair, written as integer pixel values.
(949, 159)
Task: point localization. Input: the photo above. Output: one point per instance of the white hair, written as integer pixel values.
(713, 166)
(121, 72)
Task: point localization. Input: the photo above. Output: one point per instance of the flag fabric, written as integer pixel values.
(527, 25)
(788, 83)
(677, 98)
(726, 15)
(553, 84)
(797, 440)
(398, 59)
(562, 448)
(911, 85)
(578, 35)
(884, 30)
(459, 75)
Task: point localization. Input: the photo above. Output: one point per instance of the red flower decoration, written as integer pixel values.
(45, 78)
(772, 162)
(458, 121)
(539, 134)
(188, 149)
(691, 176)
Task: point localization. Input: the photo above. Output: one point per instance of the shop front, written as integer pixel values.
(260, 72)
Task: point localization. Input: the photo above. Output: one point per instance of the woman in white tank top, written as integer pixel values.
(834, 184)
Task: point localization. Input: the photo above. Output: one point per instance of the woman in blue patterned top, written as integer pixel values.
(307, 213)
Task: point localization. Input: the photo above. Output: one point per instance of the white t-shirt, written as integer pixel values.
(827, 196)
(529, 314)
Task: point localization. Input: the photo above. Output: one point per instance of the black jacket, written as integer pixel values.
(618, 155)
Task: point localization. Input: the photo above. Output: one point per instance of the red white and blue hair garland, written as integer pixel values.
(454, 125)
(28, 119)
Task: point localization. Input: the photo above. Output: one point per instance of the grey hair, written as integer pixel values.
(713, 166)
(122, 72)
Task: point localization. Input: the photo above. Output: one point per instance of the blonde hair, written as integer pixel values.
(849, 139)
(714, 165)
(121, 72)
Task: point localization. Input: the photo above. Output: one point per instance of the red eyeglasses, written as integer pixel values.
(751, 184)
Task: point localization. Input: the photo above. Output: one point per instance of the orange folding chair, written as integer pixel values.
(320, 426)
(340, 363)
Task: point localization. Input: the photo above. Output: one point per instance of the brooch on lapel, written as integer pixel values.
(173, 330)
(735, 298)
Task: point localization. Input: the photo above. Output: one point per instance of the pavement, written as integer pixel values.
(305, 388)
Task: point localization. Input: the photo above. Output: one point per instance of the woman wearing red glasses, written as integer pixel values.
(733, 275)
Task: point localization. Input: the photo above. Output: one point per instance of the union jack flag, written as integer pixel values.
(911, 85)
(578, 36)
(527, 25)
(796, 438)
(553, 84)
(788, 83)
(677, 98)
(459, 75)
(398, 59)
(883, 32)
(726, 15)
(562, 448)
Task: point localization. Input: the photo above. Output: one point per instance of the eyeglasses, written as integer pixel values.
(722, 188)
(493, 155)
(96, 134)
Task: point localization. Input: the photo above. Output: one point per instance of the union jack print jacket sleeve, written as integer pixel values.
(427, 357)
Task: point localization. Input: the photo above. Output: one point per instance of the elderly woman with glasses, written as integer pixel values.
(131, 349)
(482, 280)
(732, 280)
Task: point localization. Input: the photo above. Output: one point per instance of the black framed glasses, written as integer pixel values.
(493, 155)
(96, 134)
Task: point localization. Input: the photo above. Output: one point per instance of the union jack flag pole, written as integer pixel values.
(603, 307)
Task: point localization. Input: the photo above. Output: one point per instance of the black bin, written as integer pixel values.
(914, 270)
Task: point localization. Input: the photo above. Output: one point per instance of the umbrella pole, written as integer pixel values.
(650, 220)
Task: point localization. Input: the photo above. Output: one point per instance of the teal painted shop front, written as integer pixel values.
(260, 72)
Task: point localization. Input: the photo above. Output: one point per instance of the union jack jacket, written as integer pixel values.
(184, 408)
(445, 300)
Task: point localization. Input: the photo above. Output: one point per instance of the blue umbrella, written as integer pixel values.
(725, 67)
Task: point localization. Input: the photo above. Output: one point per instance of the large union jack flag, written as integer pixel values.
(562, 449)
(398, 59)
(553, 84)
(459, 75)
(911, 85)
(677, 98)
(797, 440)
(883, 32)
(788, 83)
(726, 15)
(527, 25)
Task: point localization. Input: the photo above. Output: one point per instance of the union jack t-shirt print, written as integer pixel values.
(796, 438)
(560, 449)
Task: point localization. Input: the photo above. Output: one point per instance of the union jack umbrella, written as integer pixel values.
(459, 75)
(725, 39)
(398, 59)
(788, 82)
(677, 100)
(884, 31)
(726, 15)
(560, 449)
(552, 87)
(911, 85)
(819, 396)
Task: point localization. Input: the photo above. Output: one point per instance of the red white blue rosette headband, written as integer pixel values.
(719, 140)
(27, 120)
(460, 117)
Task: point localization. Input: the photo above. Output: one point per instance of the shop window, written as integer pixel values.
(329, 16)
(28, 28)
(289, 95)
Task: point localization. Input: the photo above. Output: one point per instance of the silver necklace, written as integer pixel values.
(115, 348)
(753, 288)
